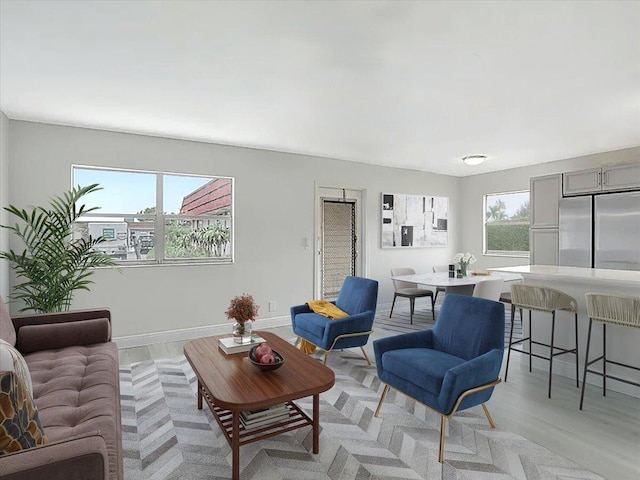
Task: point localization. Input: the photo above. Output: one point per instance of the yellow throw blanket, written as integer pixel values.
(327, 309)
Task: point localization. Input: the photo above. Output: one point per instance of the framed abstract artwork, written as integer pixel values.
(414, 221)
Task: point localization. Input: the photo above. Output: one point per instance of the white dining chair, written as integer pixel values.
(489, 289)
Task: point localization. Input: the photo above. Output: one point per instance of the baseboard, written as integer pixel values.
(169, 336)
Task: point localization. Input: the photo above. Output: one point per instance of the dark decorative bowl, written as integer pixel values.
(266, 366)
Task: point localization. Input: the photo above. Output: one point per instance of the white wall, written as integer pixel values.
(4, 201)
(474, 187)
(274, 212)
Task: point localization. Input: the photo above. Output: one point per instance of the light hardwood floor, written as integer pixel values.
(604, 437)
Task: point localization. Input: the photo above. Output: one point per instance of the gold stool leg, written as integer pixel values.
(384, 393)
(443, 425)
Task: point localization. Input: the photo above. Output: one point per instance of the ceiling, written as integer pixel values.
(413, 85)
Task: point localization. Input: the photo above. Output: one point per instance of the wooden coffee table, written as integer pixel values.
(230, 384)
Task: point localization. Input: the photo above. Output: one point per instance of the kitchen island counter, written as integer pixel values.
(622, 342)
(593, 276)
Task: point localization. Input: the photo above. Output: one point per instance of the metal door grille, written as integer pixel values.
(338, 245)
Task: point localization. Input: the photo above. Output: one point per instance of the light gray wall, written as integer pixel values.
(4, 200)
(274, 212)
(474, 187)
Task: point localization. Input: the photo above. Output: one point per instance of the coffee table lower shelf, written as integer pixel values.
(297, 419)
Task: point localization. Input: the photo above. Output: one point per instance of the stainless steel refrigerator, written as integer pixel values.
(600, 231)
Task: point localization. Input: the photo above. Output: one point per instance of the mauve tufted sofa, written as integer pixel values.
(74, 370)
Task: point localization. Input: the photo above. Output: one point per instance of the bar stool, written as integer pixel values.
(616, 310)
(548, 300)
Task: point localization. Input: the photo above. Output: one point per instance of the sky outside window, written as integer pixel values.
(513, 201)
(132, 192)
(176, 187)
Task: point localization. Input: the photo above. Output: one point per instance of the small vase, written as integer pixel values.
(242, 332)
(463, 269)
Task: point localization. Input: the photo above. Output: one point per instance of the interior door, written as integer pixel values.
(338, 253)
(338, 238)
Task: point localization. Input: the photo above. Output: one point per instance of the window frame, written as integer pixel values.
(160, 218)
(485, 221)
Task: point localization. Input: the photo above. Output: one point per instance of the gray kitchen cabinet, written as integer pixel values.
(605, 179)
(621, 177)
(545, 193)
(543, 246)
(583, 181)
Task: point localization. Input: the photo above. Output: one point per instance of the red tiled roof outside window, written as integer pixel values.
(212, 197)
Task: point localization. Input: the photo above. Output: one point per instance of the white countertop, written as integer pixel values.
(628, 277)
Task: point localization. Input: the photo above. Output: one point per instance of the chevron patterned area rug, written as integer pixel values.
(166, 437)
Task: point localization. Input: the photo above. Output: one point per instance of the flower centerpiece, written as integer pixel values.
(464, 260)
(243, 310)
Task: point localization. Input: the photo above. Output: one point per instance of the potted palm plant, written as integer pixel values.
(53, 264)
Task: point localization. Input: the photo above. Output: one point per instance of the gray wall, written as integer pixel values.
(4, 201)
(274, 212)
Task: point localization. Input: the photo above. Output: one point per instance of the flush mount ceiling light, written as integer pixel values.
(474, 159)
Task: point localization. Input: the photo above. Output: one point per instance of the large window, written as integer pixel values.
(154, 217)
(506, 224)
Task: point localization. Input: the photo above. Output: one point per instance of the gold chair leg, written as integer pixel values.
(365, 355)
(443, 418)
(296, 342)
(384, 393)
(443, 426)
(325, 357)
(486, 412)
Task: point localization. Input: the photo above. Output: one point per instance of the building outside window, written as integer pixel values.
(156, 217)
(506, 224)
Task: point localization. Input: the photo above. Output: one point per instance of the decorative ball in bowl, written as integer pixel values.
(265, 358)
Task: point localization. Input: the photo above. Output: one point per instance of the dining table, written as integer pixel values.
(462, 286)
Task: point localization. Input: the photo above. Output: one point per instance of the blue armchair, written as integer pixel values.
(453, 366)
(358, 297)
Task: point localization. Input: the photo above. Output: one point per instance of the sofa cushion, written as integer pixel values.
(20, 427)
(7, 330)
(11, 360)
(50, 336)
(76, 390)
